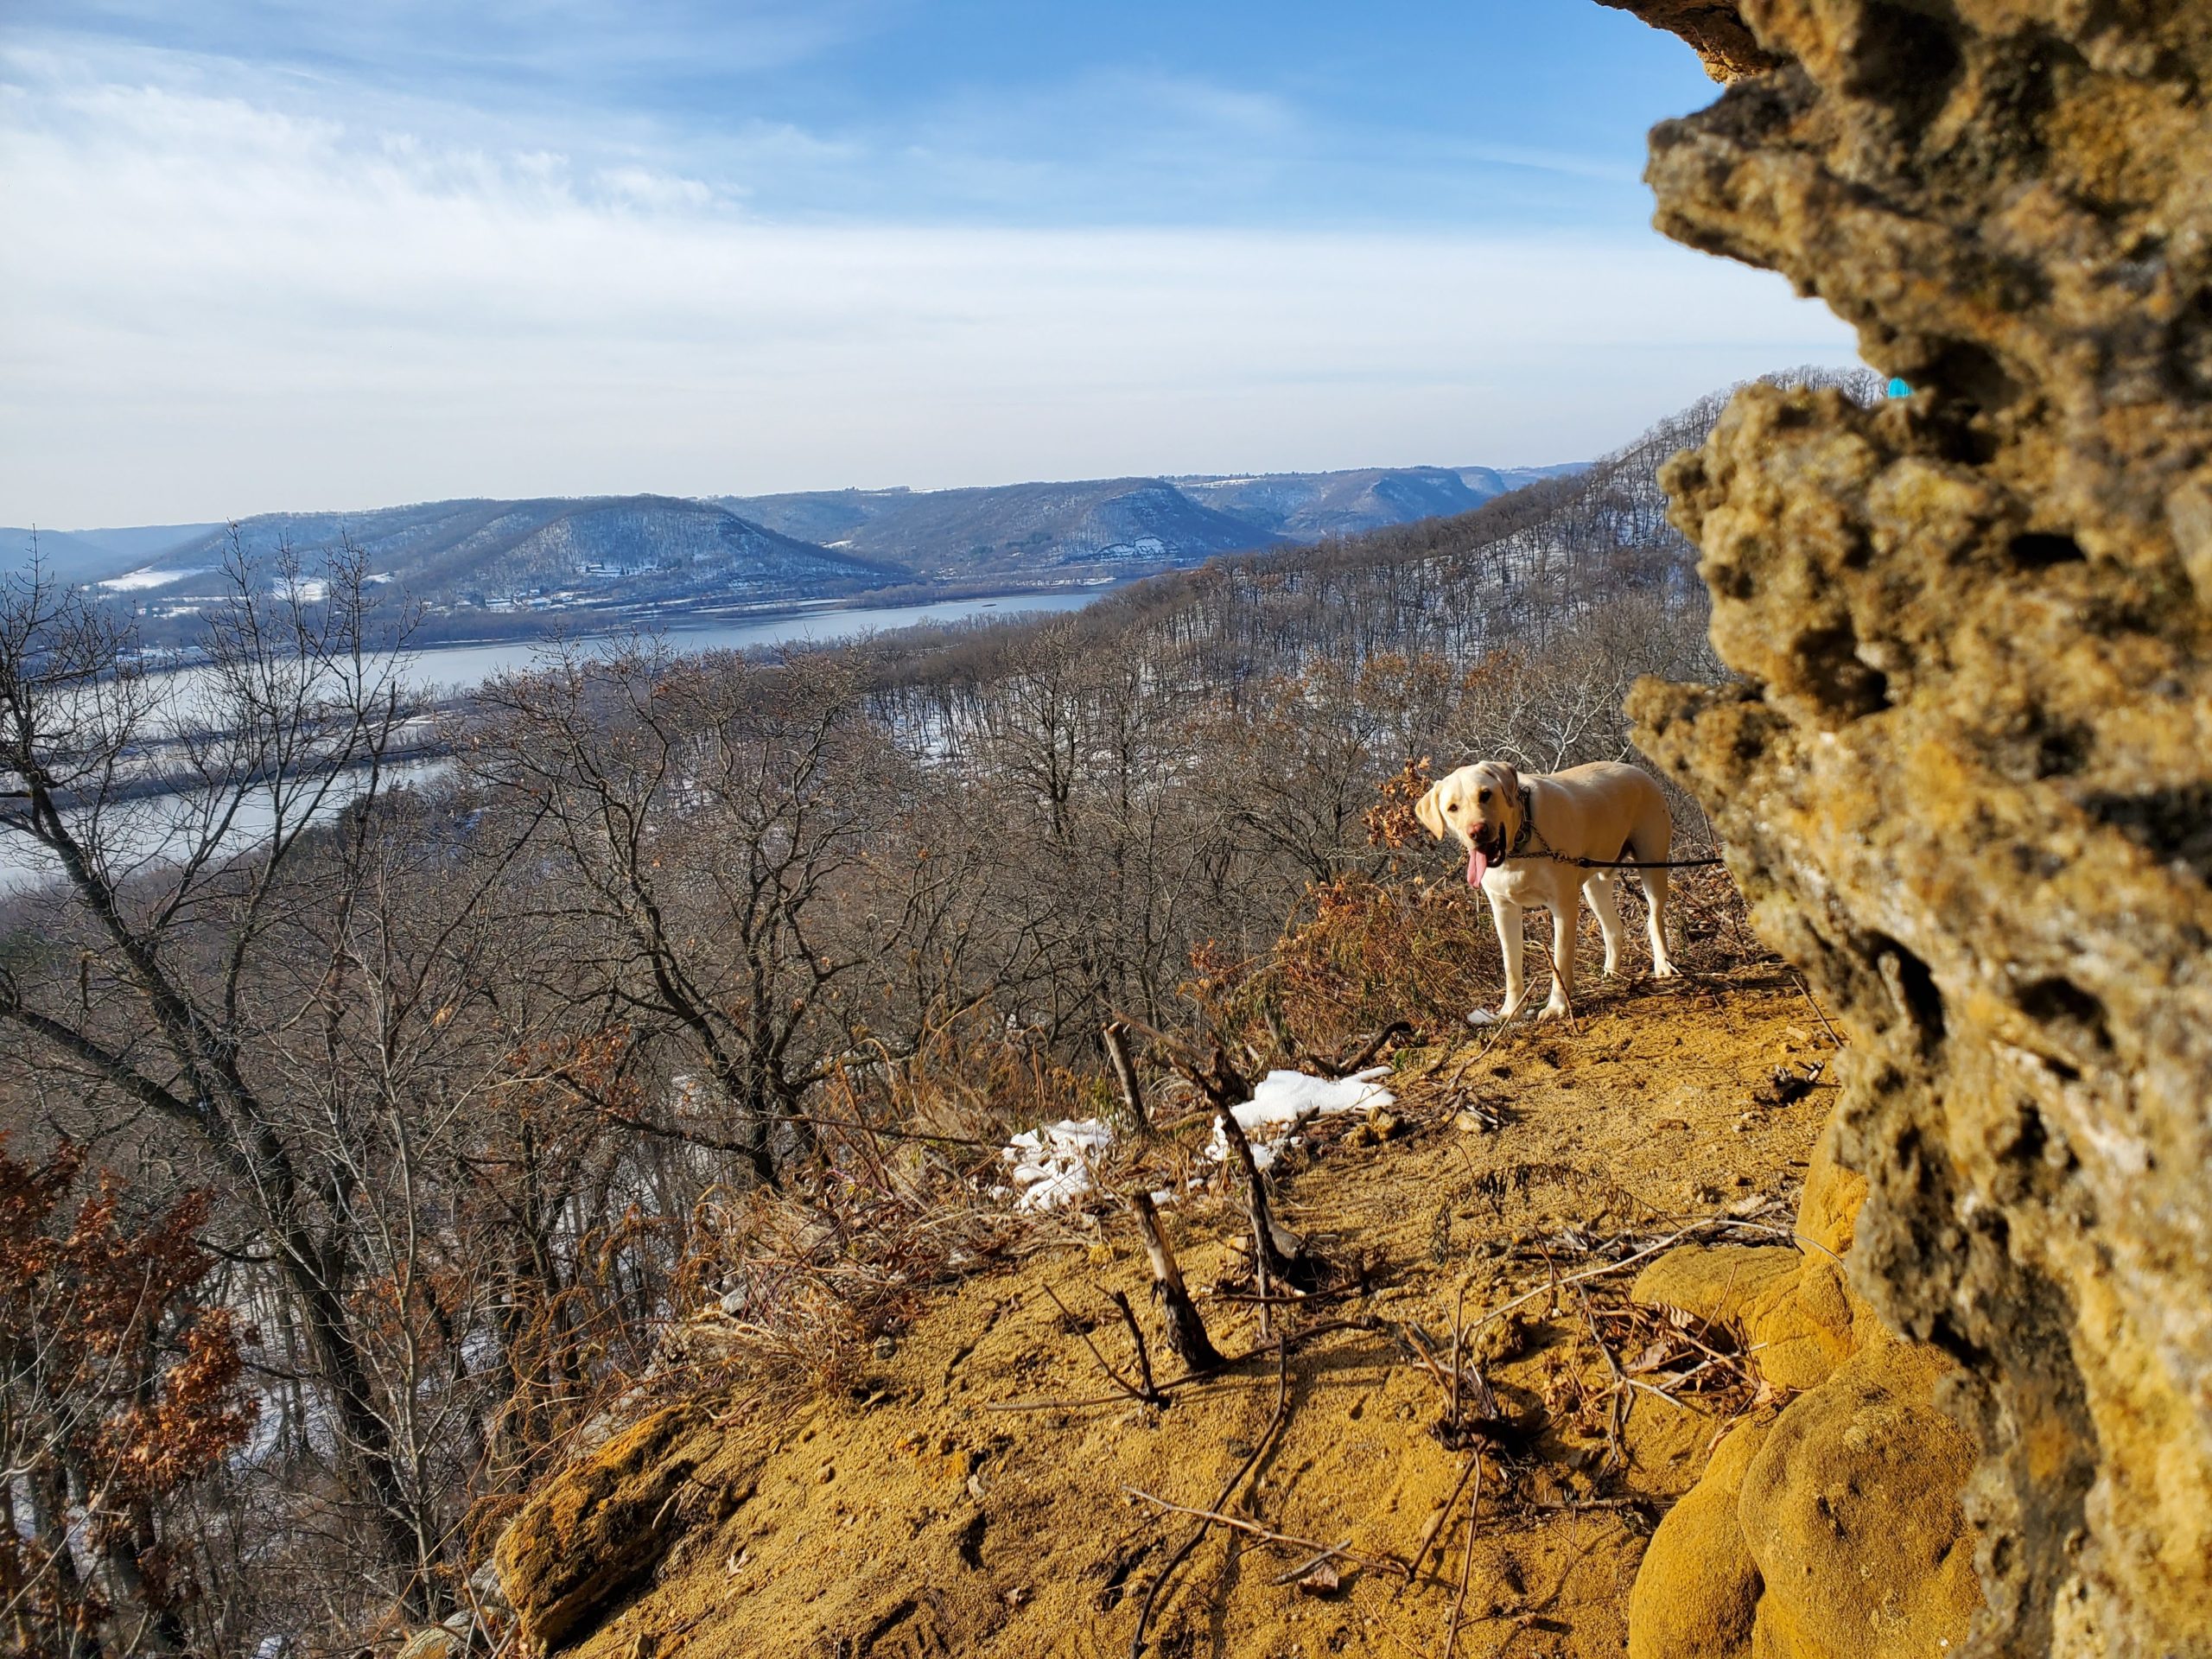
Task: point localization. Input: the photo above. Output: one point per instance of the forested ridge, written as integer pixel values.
(424, 1120)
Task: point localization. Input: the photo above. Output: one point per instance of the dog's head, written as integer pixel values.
(1481, 805)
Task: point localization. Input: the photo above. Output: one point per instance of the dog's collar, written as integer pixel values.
(1527, 828)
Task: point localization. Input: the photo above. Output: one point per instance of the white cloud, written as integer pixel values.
(215, 308)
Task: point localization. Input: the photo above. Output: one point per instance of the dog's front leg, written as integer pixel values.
(1506, 918)
(1567, 911)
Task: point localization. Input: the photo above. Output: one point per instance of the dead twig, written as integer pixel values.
(1373, 1046)
(1147, 1394)
(1553, 1284)
(1289, 1574)
(1435, 1525)
(1805, 991)
(1152, 1394)
(1616, 1409)
(1253, 1528)
(1466, 1563)
(1258, 1449)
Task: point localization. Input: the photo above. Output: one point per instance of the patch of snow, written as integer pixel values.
(1052, 1164)
(152, 576)
(1482, 1017)
(1284, 1101)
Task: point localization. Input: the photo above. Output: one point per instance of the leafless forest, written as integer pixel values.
(361, 1157)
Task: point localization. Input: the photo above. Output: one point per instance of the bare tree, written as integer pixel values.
(179, 815)
(704, 817)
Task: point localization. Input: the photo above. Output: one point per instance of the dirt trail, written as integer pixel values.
(911, 1518)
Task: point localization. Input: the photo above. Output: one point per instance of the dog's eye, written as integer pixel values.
(1482, 795)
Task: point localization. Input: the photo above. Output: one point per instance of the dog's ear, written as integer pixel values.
(1430, 811)
(1507, 780)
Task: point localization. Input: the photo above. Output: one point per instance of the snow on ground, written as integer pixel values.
(1051, 1166)
(139, 580)
(1284, 1101)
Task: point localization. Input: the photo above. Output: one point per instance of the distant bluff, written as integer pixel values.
(1967, 783)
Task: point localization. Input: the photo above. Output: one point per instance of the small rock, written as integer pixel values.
(1672, 1124)
(886, 1348)
(828, 1473)
(1500, 1339)
(1381, 1125)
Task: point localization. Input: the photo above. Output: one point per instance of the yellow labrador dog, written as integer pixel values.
(1510, 825)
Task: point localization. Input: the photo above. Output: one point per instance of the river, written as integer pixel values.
(458, 667)
(151, 824)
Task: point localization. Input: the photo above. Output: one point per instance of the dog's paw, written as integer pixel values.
(1666, 971)
(1553, 1011)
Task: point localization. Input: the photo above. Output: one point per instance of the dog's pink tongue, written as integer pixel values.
(1477, 861)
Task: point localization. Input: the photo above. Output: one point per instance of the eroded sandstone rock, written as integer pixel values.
(1834, 1531)
(1967, 783)
(1849, 1512)
(1697, 1593)
(600, 1526)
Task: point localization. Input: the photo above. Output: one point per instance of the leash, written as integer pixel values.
(1520, 850)
(1622, 863)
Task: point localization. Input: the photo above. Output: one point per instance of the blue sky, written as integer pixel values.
(267, 254)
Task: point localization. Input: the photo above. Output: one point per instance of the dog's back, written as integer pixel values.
(1631, 797)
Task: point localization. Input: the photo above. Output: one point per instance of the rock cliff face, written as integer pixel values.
(1968, 780)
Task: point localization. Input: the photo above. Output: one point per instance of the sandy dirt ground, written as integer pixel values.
(918, 1515)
